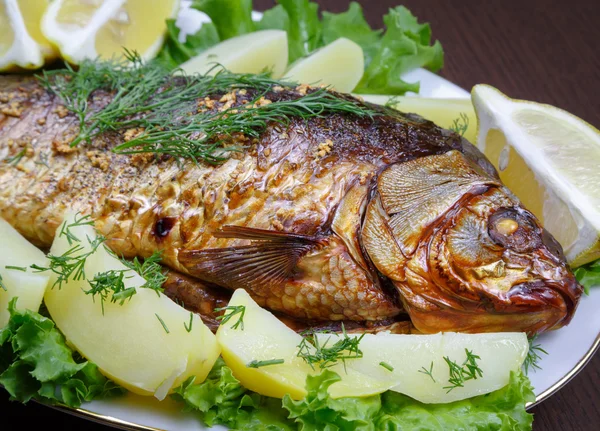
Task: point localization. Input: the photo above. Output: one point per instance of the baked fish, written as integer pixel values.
(333, 218)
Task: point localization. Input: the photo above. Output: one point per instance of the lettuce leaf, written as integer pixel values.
(36, 363)
(221, 399)
(231, 17)
(174, 52)
(589, 275)
(404, 46)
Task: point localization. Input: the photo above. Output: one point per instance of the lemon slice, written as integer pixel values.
(21, 41)
(263, 338)
(339, 65)
(250, 53)
(103, 28)
(549, 159)
(456, 114)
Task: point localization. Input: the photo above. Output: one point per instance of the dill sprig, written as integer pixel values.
(150, 269)
(16, 268)
(2, 285)
(386, 366)
(428, 372)
(14, 160)
(162, 322)
(83, 220)
(258, 364)
(533, 356)
(112, 282)
(313, 353)
(461, 124)
(163, 106)
(187, 327)
(459, 374)
(229, 312)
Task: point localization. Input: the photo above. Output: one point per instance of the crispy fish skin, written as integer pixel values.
(311, 218)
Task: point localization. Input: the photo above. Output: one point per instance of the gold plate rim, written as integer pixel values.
(130, 426)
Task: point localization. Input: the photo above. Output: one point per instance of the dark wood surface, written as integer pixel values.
(542, 50)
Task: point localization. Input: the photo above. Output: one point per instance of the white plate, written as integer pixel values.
(569, 348)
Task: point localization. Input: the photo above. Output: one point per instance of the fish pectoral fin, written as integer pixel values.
(267, 262)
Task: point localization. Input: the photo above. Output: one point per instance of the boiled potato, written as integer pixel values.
(25, 284)
(143, 344)
(339, 65)
(264, 338)
(409, 359)
(250, 53)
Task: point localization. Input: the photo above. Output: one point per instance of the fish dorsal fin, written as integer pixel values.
(416, 193)
(269, 261)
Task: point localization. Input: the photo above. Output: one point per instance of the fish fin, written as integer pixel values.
(417, 193)
(267, 262)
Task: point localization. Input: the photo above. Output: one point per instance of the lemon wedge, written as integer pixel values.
(249, 53)
(22, 44)
(339, 65)
(455, 114)
(549, 159)
(263, 355)
(103, 28)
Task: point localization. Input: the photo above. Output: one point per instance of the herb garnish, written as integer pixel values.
(459, 374)
(189, 328)
(533, 356)
(83, 220)
(162, 322)
(428, 372)
(18, 268)
(312, 352)
(14, 160)
(461, 124)
(258, 364)
(386, 366)
(233, 310)
(150, 270)
(110, 281)
(2, 286)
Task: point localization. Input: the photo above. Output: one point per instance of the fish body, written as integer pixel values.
(334, 218)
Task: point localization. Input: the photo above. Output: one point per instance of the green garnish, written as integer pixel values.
(162, 322)
(189, 328)
(312, 352)
(588, 275)
(533, 356)
(18, 268)
(162, 110)
(112, 282)
(459, 374)
(14, 160)
(386, 366)
(2, 286)
(150, 270)
(428, 372)
(83, 220)
(460, 125)
(258, 364)
(233, 310)
(43, 160)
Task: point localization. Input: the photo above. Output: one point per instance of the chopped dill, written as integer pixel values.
(392, 102)
(43, 160)
(428, 372)
(313, 353)
(258, 364)
(17, 268)
(387, 366)
(150, 269)
(164, 107)
(2, 285)
(110, 282)
(233, 310)
(189, 328)
(83, 220)
(461, 124)
(14, 160)
(533, 356)
(162, 322)
(459, 374)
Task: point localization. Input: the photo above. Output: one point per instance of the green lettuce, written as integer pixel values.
(36, 363)
(404, 45)
(589, 275)
(220, 399)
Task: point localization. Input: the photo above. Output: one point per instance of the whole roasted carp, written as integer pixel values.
(327, 219)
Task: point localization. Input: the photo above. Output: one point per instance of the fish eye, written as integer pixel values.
(515, 229)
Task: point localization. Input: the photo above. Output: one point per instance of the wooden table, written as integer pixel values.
(542, 50)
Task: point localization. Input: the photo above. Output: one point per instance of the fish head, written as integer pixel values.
(463, 252)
